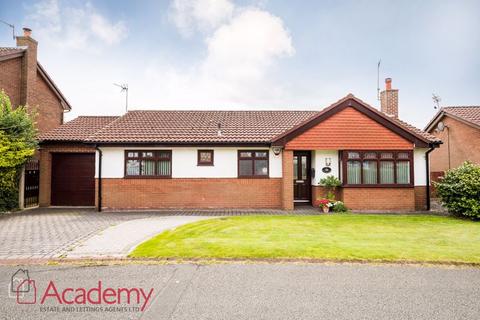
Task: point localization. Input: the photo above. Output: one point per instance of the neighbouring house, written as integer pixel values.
(459, 129)
(239, 159)
(27, 83)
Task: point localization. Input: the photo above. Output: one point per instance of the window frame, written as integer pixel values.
(253, 158)
(156, 158)
(362, 158)
(205, 164)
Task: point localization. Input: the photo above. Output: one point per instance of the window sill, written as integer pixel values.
(205, 165)
(146, 177)
(253, 177)
(393, 186)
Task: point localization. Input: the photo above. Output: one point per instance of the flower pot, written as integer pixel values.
(325, 209)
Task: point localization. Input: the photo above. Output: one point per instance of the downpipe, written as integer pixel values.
(99, 192)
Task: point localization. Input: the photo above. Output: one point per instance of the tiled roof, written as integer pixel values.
(5, 51)
(78, 129)
(414, 130)
(417, 131)
(185, 127)
(200, 126)
(467, 113)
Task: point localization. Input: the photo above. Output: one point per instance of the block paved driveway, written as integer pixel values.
(75, 233)
(49, 233)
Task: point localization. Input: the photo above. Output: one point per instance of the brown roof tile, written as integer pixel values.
(200, 126)
(78, 129)
(467, 113)
(6, 51)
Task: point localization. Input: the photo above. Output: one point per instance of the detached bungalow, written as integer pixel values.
(239, 159)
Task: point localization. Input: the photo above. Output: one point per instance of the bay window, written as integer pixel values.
(377, 168)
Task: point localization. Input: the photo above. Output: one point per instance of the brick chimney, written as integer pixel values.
(389, 99)
(29, 66)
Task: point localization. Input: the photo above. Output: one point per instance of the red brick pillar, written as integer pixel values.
(45, 178)
(287, 180)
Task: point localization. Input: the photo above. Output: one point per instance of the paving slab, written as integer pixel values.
(119, 240)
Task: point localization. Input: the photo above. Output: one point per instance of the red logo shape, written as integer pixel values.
(31, 297)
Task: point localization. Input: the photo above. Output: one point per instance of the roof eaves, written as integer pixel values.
(434, 120)
(65, 104)
(459, 118)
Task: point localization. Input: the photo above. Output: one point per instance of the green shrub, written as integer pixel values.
(17, 145)
(460, 190)
(339, 207)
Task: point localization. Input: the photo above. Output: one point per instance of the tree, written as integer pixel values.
(17, 145)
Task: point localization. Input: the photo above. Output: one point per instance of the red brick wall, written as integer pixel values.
(464, 145)
(320, 192)
(380, 199)
(48, 107)
(420, 198)
(24, 85)
(287, 180)
(46, 167)
(11, 79)
(191, 193)
(349, 129)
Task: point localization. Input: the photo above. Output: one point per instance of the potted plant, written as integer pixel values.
(325, 204)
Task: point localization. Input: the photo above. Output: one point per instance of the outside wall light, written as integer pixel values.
(276, 150)
(328, 162)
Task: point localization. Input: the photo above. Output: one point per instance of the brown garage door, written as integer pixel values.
(73, 179)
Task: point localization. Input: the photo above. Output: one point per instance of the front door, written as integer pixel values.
(301, 176)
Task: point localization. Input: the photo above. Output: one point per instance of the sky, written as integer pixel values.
(253, 54)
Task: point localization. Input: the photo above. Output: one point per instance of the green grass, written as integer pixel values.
(335, 237)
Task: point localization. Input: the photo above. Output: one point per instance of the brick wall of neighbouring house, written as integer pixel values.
(191, 193)
(48, 107)
(41, 98)
(45, 156)
(464, 145)
(380, 199)
(11, 79)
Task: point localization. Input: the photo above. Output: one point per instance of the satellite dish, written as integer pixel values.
(440, 126)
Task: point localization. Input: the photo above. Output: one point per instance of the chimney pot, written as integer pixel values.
(27, 32)
(388, 83)
(389, 99)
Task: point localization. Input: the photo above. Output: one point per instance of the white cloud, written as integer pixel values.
(248, 44)
(237, 69)
(80, 27)
(204, 15)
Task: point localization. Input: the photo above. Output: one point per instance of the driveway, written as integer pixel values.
(118, 240)
(259, 291)
(63, 232)
(50, 233)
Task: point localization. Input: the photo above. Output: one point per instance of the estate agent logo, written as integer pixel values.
(24, 290)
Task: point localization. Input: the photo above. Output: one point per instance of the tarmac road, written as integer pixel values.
(248, 291)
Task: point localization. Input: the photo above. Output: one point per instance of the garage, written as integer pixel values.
(73, 179)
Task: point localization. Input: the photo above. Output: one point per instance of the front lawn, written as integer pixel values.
(335, 237)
